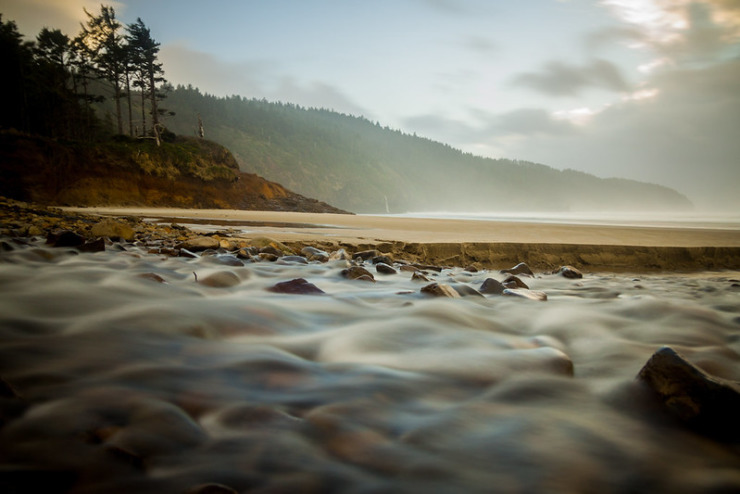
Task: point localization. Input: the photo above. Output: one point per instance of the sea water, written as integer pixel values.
(132, 377)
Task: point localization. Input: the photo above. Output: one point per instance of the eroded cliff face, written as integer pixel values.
(188, 173)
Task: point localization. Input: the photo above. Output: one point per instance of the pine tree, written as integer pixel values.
(147, 69)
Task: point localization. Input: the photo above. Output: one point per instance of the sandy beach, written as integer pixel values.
(492, 244)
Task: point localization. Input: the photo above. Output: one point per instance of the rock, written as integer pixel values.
(6, 390)
(197, 244)
(365, 254)
(514, 282)
(465, 290)
(115, 230)
(293, 260)
(298, 286)
(34, 231)
(221, 279)
(188, 254)
(569, 272)
(152, 276)
(409, 268)
(263, 242)
(384, 268)
(705, 403)
(93, 246)
(440, 290)
(382, 258)
(226, 244)
(314, 254)
(471, 269)
(228, 260)
(272, 250)
(535, 295)
(65, 238)
(428, 267)
(492, 287)
(520, 268)
(419, 276)
(266, 256)
(358, 272)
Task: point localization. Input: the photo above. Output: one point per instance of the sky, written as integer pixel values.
(641, 89)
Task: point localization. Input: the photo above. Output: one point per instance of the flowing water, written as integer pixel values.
(131, 384)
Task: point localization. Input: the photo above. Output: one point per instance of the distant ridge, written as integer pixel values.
(360, 166)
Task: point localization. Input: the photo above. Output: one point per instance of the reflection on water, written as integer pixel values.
(130, 384)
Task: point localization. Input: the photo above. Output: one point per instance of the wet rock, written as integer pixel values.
(228, 260)
(115, 230)
(534, 295)
(278, 248)
(520, 268)
(293, 260)
(409, 268)
(514, 282)
(428, 267)
(357, 273)
(466, 290)
(569, 272)
(492, 287)
(188, 254)
(65, 238)
(247, 252)
(365, 254)
(419, 276)
(197, 244)
(471, 269)
(705, 403)
(93, 246)
(298, 286)
(314, 254)
(266, 256)
(382, 258)
(221, 279)
(384, 268)
(272, 250)
(440, 290)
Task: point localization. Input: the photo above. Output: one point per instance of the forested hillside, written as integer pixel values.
(360, 166)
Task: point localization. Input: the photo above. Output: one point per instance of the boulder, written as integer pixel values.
(492, 287)
(357, 273)
(520, 268)
(514, 282)
(465, 290)
(419, 276)
(382, 258)
(298, 286)
(65, 238)
(113, 229)
(384, 268)
(705, 403)
(440, 290)
(569, 272)
(200, 243)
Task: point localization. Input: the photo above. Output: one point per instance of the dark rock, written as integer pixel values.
(112, 229)
(569, 272)
(271, 249)
(266, 256)
(471, 269)
(65, 238)
(228, 260)
(198, 244)
(514, 282)
(419, 276)
(93, 246)
(294, 260)
(520, 268)
(535, 295)
(427, 267)
(492, 287)
(384, 268)
(357, 272)
(6, 247)
(440, 290)
(188, 254)
(221, 279)
(409, 268)
(365, 254)
(707, 404)
(382, 258)
(298, 286)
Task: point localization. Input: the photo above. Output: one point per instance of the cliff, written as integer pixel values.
(184, 172)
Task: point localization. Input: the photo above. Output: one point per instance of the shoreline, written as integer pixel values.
(487, 244)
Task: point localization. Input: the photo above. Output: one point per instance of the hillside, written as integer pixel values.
(360, 166)
(186, 172)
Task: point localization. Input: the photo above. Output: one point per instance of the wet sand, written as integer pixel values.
(491, 244)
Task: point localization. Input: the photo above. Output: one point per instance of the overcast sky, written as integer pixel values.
(641, 89)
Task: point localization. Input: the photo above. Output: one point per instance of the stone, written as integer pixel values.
(97, 245)
(197, 244)
(471, 269)
(272, 250)
(707, 404)
(428, 267)
(298, 286)
(409, 268)
(466, 290)
(186, 253)
(266, 256)
(384, 268)
(520, 268)
(293, 260)
(228, 260)
(339, 255)
(382, 258)
(221, 279)
(314, 254)
(534, 295)
(419, 276)
(492, 287)
(263, 242)
(514, 282)
(65, 238)
(440, 290)
(569, 272)
(365, 254)
(357, 272)
(113, 229)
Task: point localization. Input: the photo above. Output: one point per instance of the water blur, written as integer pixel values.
(134, 377)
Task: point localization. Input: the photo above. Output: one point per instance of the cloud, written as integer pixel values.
(561, 79)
